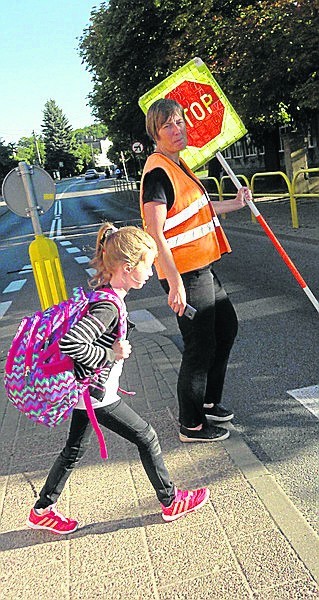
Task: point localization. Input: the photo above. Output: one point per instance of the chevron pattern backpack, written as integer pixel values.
(39, 379)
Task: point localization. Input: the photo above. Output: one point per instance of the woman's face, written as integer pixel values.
(172, 137)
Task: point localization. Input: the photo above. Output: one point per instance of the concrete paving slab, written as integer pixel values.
(240, 545)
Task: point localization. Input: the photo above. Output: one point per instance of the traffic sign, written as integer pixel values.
(137, 147)
(212, 123)
(15, 196)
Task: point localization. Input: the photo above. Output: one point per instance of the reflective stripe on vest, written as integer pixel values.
(186, 213)
(191, 228)
(191, 235)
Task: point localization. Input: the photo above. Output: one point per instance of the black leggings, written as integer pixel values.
(121, 419)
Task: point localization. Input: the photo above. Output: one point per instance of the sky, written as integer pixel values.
(39, 61)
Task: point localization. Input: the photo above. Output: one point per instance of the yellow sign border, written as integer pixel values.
(232, 128)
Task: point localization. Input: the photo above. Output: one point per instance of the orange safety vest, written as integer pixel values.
(192, 229)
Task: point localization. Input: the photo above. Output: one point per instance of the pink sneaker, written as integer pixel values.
(185, 502)
(51, 520)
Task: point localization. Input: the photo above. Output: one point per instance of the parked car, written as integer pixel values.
(91, 174)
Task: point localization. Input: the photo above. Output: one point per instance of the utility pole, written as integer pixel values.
(37, 147)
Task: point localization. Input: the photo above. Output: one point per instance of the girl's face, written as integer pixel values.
(138, 276)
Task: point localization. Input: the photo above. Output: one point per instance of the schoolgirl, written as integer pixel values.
(123, 260)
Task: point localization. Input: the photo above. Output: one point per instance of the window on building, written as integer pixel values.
(238, 149)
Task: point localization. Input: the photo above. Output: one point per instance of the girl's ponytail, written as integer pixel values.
(113, 246)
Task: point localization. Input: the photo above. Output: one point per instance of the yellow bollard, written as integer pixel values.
(47, 271)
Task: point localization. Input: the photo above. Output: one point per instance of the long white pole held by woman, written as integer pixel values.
(269, 233)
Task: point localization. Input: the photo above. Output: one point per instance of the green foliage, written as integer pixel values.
(264, 54)
(266, 58)
(31, 150)
(83, 156)
(97, 131)
(120, 49)
(7, 162)
(59, 141)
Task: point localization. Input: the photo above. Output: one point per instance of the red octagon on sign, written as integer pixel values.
(204, 111)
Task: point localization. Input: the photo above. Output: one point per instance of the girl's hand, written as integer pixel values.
(121, 349)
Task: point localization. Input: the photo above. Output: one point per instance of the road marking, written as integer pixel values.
(58, 208)
(26, 269)
(309, 397)
(4, 307)
(145, 321)
(73, 250)
(65, 243)
(261, 307)
(14, 286)
(82, 259)
(91, 272)
(56, 224)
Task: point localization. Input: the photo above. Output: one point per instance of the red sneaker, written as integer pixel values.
(51, 520)
(185, 502)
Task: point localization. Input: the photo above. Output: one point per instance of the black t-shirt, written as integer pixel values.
(157, 187)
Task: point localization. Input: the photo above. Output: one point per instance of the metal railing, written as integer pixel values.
(132, 187)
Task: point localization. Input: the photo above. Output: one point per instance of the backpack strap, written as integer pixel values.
(110, 296)
(97, 296)
(93, 419)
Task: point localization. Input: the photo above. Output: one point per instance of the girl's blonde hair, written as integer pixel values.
(115, 246)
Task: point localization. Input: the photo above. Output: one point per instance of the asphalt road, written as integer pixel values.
(277, 346)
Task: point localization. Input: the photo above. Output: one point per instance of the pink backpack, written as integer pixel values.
(39, 379)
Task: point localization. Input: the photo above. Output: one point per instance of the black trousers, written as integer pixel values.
(124, 421)
(208, 340)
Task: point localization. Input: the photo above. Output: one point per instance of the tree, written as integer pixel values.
(120, 49)
(264, 54)
(7, 162)
(97, 131)
(83, 157)
(31, 150)
(267, 60)
(59, 141)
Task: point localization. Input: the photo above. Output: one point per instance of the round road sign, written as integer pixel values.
(137, 147)
(15, 196)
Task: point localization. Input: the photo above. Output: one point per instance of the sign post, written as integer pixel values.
(212, 125)
(28, 192)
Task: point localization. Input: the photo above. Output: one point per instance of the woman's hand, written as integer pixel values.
(236, 203)
(177, 297)
(243, 193)
(121, 349)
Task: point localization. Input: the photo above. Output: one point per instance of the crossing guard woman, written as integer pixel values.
(177, 212)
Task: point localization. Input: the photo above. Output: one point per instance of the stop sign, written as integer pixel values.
(212, 123)
(204, 111)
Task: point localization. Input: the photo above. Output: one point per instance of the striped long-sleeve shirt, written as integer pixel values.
(89, 344)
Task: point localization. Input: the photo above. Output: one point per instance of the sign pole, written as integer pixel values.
(269, 233)
(124, 165)
(30, 195)
(43, 252)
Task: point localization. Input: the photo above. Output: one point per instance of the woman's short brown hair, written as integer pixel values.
(158, 113)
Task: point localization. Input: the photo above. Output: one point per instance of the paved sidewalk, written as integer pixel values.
(248, 542)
